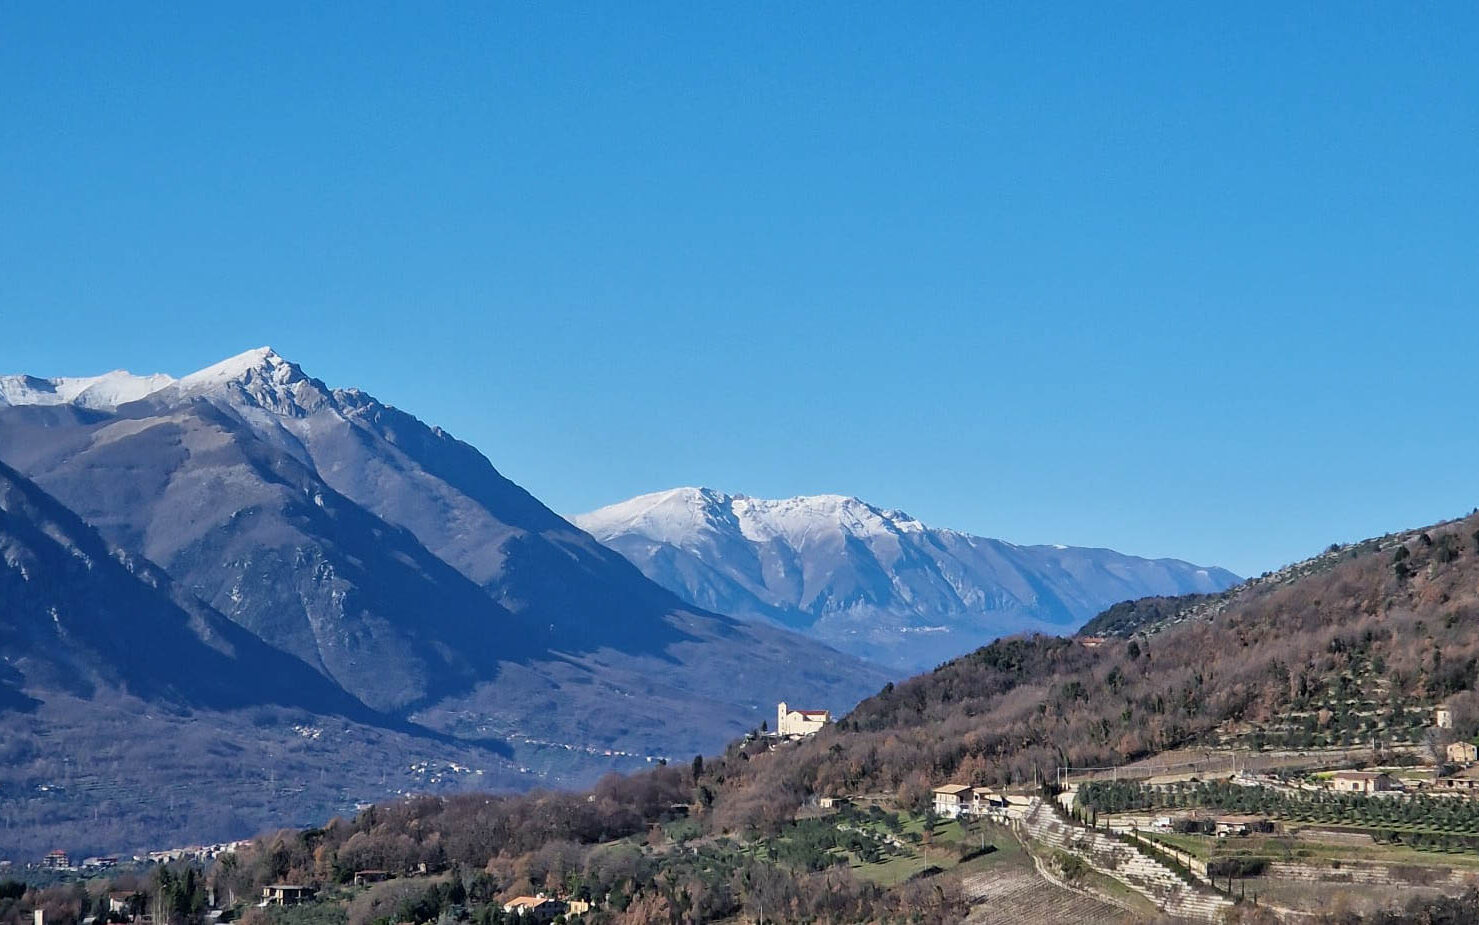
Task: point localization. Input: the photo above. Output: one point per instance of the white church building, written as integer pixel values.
(790, 722)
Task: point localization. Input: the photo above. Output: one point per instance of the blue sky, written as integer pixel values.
(1177, 281)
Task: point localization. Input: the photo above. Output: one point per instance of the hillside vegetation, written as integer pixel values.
(1352, 647)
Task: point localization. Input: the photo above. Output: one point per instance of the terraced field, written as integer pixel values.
(1021, 896)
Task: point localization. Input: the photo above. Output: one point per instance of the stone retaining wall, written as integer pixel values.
(1370, 872)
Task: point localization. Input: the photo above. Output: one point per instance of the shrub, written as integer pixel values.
(1237, 867)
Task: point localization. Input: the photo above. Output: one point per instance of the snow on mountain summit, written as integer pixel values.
(110, 390)
(103, 392)
(676, 515)
(261, 376)
(260, 360)
(872, 581)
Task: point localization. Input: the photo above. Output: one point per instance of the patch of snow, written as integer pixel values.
(119, 387)
(262, 359)
(102, 393)
(674, 516)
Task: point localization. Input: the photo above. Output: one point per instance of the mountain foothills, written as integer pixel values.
(130, 710)
(1338, 659)
(369, 586)
(873, 582)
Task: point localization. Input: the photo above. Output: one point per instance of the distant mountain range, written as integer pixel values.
(873, 582)
(355, 572)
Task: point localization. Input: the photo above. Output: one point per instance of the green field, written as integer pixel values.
(947, 840)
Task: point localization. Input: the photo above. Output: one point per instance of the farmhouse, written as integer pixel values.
(286, 894)
(1443, 716)
(538, 908)
(790, 722)
(1362, 782)
(952, 799)
(1462, 753)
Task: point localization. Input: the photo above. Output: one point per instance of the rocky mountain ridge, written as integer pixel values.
(872, 581)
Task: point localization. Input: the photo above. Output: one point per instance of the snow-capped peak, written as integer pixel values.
(255, 371)
(795, 518)
(262, 360)
(677, 514)
(666, 516)
(103, 393)
(260, 378)
(871, 580)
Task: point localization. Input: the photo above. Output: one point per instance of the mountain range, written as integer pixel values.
(870, 581)
(358, 574)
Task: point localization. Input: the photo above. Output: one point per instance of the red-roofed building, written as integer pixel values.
(538, 908)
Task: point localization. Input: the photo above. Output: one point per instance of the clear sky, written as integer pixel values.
(1174, 280)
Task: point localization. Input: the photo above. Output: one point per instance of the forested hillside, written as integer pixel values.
(1387, 625)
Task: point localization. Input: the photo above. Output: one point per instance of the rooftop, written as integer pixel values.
(530, 902)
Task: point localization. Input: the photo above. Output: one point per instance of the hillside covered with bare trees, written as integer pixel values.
(1351, 648)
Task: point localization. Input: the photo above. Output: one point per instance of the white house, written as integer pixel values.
(984, 801)
(1443, 717)
(952, 799)
(1362, 782)
(799, 722)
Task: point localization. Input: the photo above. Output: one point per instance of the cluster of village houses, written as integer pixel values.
(61, 860)
(1460, 754)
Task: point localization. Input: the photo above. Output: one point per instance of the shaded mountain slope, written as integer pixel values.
(134, 716)
(79, 616)
(442, 491)
(256, 534)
